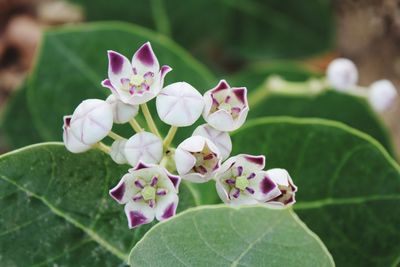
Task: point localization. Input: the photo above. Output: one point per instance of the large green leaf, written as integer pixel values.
(55, 209)
(226, 236)
(349, 187)
(351, 110)
(16, 122)
(227, 30)
(73, 61)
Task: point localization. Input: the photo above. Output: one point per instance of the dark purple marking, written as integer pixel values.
(251, 176)
(137, 197)
(169, 211)
(161, 192)
(175, 180)
(164, 70)
(201, 169)
(67, 120)
(236, 109)
(214, 101)
(227, 98)
(116, 62)
(240, 170)
(136, 218)
(230, 181)
(152, 203)
(236, 194)
(107, 83)
(118, 192)
(259, 160)
(222, 85)
(240, 93)
(250, 190)
(140, 166)
(289, 201)
(267, 185)
(208, 157)
(139, 184)
(134, 71)
(145, 55)
(154, 181)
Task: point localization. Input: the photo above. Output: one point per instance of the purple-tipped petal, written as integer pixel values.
(118, 192)
(222, 85)
(241, 94)
(116, 62)
(176, 180)
(259, 160)
(145, 60)
(164, 70)
(166, 206)
(138, 213)
(119, 67)
(139, 166)
(267, 185)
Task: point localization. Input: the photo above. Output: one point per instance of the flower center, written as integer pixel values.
(138, 84)
(136, 80)
(148, 192)
(241, 182)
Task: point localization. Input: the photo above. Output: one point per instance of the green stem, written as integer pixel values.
(115, 136)
(149, 120)
(170, 136)
(102, 147)
(135, 125)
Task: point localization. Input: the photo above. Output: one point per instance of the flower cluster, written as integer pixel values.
(149, 190)
(342, 75)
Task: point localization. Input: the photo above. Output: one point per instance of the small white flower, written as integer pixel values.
(242, 181)
(122, 112)
(91, 121)
(147, 191)
(145, 147)
(179, 104)
(342, 74)
(117, 152)
(382, 94)
(197, 159)
(221, 139)
(286, 186)
(70, 141)
(138, 81)
(226, 108)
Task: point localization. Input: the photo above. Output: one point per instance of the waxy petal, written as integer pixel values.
(179, 104)
(250, 163)
(70, 141)
(138, 213)
(184, 161)
(221, 139)
(122, 112)
(119, 67)
(264, 187)
(145, 147)
(222, 191)
(144, 60)
(91, 121)
(166, 206)
(124, 191)
(282, 178)
(117, 152)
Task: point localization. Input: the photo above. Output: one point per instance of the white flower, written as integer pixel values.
(242, 181)
(70, 141)
(122, 112)
(91, 121)
(197, 159)
(342, 74)
(147, 191)
(286, 186)
(382, 94)
(117, 152)
(179, 104)
(221, 139)
(138, 81)
(226, 108)
(145, 147)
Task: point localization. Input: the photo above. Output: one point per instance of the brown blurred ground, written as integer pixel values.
(368, 32)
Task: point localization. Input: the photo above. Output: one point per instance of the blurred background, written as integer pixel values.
(229, 36)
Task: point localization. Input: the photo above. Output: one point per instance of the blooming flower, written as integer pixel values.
(91, 121)
(221, 139)
(381, 95)
(70, 141)
(122, 112)
(145, 147)
(147, 191)
(241, 180)
(117, 152)
(138, 81)
(342, 74)
(197, 159)
(286, 186)
(226, 108)
(179, 104)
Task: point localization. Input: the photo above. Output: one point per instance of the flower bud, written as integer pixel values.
(382, 94)
(91, 121)
(70, 141)
(117, 152)
(286, 186)
(145, 147)
(179, 104)
(122, 112)
(226, 108)
(342, 74)
(221, 139)
(197, 159)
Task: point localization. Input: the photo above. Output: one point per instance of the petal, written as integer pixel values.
(249, 163)
(184, 161)
(137, 99)
(91, 121)
(222, 191)
(221, 86)
(241, 119)
(342, 74)
(382, 94)
(117, 152)
(264, 188)
(241, 94)
(122, 112)
(124, 190)
(197, 177)
(70, 141)
(179, 104)
(221, 120)
(221, 139)
(243, 199)
(119, 68)
(145, 147)
(138, 213)
(145, 60)
(175, 180)
(166, 206)
(193, 144)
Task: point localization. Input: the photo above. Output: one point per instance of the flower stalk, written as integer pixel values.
(115, 136)
(102, 147)
(170, 137)
(135, 125)
(149, 119)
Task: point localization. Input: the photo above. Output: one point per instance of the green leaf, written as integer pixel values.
(73, 61)
(349, 187)
(227, 30)
(56, 209)
(16, 122)
(226, 236)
